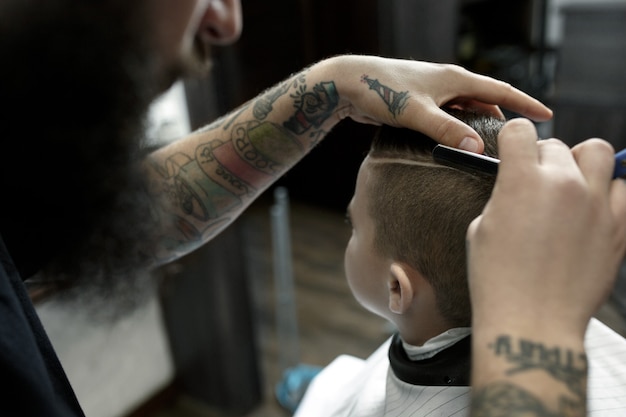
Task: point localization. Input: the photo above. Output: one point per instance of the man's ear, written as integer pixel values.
(401, 289)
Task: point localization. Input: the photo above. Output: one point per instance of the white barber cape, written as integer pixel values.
(351, 386)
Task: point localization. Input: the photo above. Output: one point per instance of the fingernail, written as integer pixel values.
(469, 144)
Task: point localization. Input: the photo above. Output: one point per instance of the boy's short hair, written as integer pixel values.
(421, 213)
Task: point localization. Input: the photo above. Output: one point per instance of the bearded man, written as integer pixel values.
(86, 206)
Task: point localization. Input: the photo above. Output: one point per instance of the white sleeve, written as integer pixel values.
(334, 390)
(606, 354)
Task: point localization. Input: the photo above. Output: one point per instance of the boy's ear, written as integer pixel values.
(401, 287)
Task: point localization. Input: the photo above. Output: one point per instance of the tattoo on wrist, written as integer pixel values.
(313, 108)
(564, 366)
(504, 399)
(396, 101)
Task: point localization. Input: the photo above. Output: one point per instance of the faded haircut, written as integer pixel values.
(421, 212)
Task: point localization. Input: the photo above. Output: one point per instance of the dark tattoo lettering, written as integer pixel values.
(396, 101)
(248, 152)
(214, 170)
(504, 399)
(565, 366)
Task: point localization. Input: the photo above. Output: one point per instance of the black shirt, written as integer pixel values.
(32, 381)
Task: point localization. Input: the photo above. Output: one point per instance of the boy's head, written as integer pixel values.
(406, 256)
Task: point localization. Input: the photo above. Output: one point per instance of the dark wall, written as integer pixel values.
(589, 97)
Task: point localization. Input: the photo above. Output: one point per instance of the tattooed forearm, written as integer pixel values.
(255, 155)
(563, 372)
(507, 400)
(263, 106)
(564, 365)
(235, 116)
(396, 101)
(211, 178)
(223, 174)
(313, 108)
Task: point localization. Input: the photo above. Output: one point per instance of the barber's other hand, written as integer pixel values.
(544, 255)
(411, 93)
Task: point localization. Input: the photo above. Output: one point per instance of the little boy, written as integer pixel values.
(405, 261)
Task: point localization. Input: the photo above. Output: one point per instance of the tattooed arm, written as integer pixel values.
(206, 180)
(523, 375)
(542, 259)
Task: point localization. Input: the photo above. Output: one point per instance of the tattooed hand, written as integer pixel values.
(206, 180)
(542, 258)
(411, 93)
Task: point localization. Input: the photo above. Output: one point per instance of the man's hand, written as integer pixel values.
(543, 256)
(411, 93)
(552, 236)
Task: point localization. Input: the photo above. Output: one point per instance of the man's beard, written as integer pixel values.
(76, 83)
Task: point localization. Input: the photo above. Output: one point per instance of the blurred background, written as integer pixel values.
(215, 338)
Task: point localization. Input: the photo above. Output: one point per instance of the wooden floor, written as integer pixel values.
(330, 322)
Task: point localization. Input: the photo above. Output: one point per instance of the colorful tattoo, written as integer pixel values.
(313, 108)
(396, 101)
(244, 156)
(222, 173)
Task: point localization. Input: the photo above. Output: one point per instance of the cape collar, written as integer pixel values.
(450, 367)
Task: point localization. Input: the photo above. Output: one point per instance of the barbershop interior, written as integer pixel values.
(225, 323)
